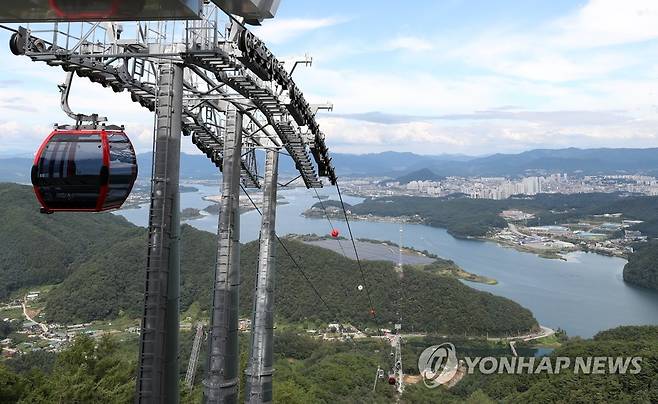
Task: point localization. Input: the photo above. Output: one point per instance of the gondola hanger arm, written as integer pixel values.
(65, 90)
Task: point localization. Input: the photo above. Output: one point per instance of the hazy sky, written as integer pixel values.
(431, 77)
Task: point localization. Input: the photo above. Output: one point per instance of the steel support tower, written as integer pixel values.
(158, 349)
(259, 368)
(221, 383)
(399, 373)
(194, 357)
(212, 79)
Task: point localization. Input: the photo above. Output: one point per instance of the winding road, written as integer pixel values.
(27, 316)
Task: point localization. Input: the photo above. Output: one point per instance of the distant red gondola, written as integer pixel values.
(391, 380)
(84, 170)
(334, 233)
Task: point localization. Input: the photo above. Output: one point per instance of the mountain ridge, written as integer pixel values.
(424, 174)
(594, 161)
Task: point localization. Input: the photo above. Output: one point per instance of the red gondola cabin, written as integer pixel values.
(84, 170)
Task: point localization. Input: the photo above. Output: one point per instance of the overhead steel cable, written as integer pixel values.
(326, 215)
(356, 252)
(294, 261)
(329, 220)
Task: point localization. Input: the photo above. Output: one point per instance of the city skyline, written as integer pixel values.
(504, 187)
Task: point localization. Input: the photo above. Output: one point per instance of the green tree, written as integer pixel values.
(86, 372)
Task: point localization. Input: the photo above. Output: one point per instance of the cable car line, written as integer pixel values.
(356, 253)
(8, 28)
(329, 220)
(326, 215)
(294, 261)
(291, 181)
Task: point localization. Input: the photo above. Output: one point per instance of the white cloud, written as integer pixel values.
(608, 22)
(410, 43)
(599, 112)
(412, 93)
(22, 136)
(556, 67)
(572, 117)
(570, 65)
(345, 135)
(280, 30)
(533, 57)
(583, 45)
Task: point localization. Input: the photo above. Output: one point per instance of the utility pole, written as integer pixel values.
(221, 383)
(157, 380)
(259, 369)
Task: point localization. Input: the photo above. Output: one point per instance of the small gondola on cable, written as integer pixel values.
(86, 167)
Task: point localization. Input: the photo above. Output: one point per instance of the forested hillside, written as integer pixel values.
(112, 282)
(37, 248)
(566, 386)
(99, 260)
(313, 371)
(461, 216)
(642, 266)
(423, 174)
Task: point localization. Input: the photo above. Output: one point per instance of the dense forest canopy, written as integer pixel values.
(38, 249)
(330, 203)
(313, 371)
(112, 282)
(101, 275)
(642, 266)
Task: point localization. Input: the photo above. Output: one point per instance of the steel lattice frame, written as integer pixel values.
(208, 79)
(222, 65)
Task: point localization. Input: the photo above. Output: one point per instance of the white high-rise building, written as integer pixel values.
(531, 185)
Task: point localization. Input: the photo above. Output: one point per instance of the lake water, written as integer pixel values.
(582, 295)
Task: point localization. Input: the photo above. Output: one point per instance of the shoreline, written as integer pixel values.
(435, 264)
(548, 254)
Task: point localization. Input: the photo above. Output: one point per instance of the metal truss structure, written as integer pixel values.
(397, 362)
(223, 65)
(194, 357)
(210, 79)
